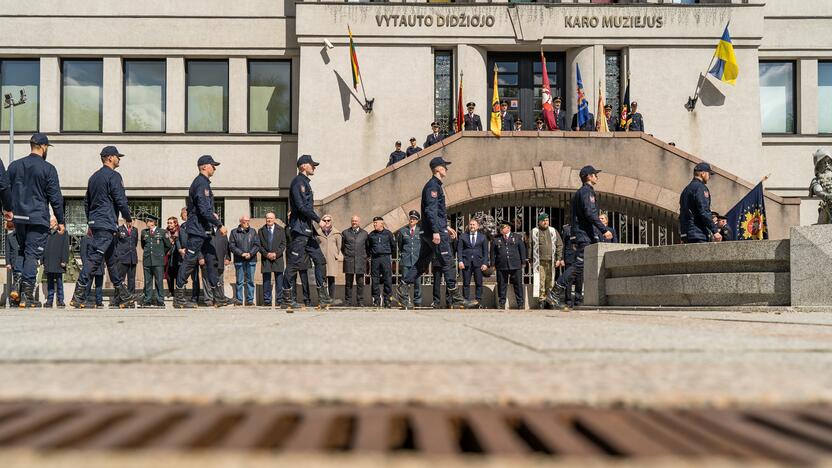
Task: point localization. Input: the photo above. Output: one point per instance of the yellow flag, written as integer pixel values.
(601, 119)
(496, 121)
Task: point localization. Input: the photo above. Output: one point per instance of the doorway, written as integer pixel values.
(520, 77)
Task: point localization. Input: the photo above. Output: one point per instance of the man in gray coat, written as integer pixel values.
(272, 246)
(353, 246)
(410, 245)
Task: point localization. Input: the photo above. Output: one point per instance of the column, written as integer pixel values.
(807, 96)
(171, 207)
(237, 95)
(113, 105)
(585, 58)
(471, 61)
(50, 95)
(175, 95)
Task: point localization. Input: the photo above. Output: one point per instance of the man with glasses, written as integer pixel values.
(104, 200)
(244, 244)
(330, 240)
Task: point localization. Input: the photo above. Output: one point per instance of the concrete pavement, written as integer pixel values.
(640, 357)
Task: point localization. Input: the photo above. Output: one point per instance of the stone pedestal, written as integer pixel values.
(811, 265)
(594, 273)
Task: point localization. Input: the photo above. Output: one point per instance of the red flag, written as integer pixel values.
(459, 113)
(546, 97)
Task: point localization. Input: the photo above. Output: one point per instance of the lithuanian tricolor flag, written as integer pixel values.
(496, 121)
(356, 73)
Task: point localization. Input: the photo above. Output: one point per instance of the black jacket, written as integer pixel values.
(395, 157)
(586, 226)
(200, 206)
(695, 222)
(434, 212)
(560, 118)
(410, 151)
(354, 248)
(125, 249)
(242, 241)
(475, 255)
(35, 187)
(277, 246)
(5, 189)
(508, 254)
(12, 251)
(302, 212)
(472, 123)
(432, 139)
(86, 246)
(381, 243)
(588, 126)
(508, 122)
(57, 252)
(105, 199)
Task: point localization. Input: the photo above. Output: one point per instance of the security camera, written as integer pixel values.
(22, 96)
(8, 99)
(328, 44)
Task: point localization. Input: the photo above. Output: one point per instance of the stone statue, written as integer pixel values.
(821, 185)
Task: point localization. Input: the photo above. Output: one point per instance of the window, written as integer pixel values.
(777, 103)
(219, 208)
(270, 96)
(825, 97)
(207, 96)
(443, 89)
(261, 206)
(612, 96)
(14, 76)
(141, 207)
(75, 220)
(82, 96)
(144, 95)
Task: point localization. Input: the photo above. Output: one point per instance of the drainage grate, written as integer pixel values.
(801, 435)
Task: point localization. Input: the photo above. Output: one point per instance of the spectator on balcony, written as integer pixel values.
(636, 123)
(413, 148)
(538, 125)
(588, 126)
(560, 115)
(612, 119)
(435, 136)
(518, 125)
(397, 155)
(472, 120)
(506, 117)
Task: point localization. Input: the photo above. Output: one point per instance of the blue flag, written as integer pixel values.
(583, 106)
(747, 219)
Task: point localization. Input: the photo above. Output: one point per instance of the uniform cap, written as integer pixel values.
(434, 124)
(518, 121)
(151, 217)
(587, 170)
(714, 213)
(399, 143)
(607, 106)
(111, 151)
(538, 120)
(504, 222)
(414, 215)
(307, 159)
(412, 138)
(504, 103)
(438, 161)
(378, 218)
(721, 217)
(470, 104)
(557, 99)
(206, 159)
(40, 139)
(703, 167)
(542, 217)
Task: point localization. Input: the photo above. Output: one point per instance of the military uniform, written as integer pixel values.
(198, 228)
(695, 221)
(125, 253)
(409, 246)
(432, 139)
(508, 255)
(396, 156)
(34, 187)
(411, 150)
(105, 199)
(472, 122)
(154, 244)
(636, 123)
(381, 247)
(569, 250)
(304, 242)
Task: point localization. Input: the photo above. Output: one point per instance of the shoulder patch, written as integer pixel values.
(707, 194)
(434, 193)
(303, 188)
(592, 198)
(206, 192)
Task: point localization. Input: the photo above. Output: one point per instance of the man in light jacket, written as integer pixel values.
(331, 241)
(547, 256)
(244, 244)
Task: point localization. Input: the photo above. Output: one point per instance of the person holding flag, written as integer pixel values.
(624, 119)
(583, 120)
(603, 123)
(546, 98)
(496, 125)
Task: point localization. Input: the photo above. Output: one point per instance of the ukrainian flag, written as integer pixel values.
(726, 68)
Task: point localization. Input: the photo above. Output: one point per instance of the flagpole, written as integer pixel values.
(692, 101)
(368, 103)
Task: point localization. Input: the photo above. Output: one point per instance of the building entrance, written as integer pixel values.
(520, 79)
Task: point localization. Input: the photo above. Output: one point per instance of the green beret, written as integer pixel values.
(542, 216)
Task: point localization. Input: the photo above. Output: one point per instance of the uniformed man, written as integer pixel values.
(518, 125)
(436, 242)
(472, 120)
(413, 148)
(104, 201)
(612, 119)
(304, 242)
(397, 155)
(506, 117)
(636, 121)
(588, 126)
(585, 222)
(508, 255)
(560, 115)
(434, 137)
(34, 188)
(724, 230)
(409, 244)
(155, 243)
(538, 125)
(199, 228)
(695, 223)
(381, 247)
(127, 238)
(571, 299)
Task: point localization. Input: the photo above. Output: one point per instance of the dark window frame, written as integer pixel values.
(795, 104)
(453, 88)
(100, 102)
(2, 100)
(248, 97)
(284, 200)
(228, 110)
(124, 95)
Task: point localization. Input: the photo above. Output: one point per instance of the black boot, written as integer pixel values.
(459, 302)
(402, 297)
(180, 301)
(291, 303)
(219, 296)
(124, 298)
(14, 292)
(27, 296)
(324, 301)
(79, 297)
(557, 297)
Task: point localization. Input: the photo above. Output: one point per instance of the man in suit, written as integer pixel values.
(272, 246)
(508, 255)
(410, 246)
(472, 255)
(560, 115)
(127, 238)
(472, 120)
(155, 243)
(434, 137)
(353, 246)
(506, 117)
(588, 126)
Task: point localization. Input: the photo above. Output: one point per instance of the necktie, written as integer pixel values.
(473, 239)
(271, 234)
(411, 232)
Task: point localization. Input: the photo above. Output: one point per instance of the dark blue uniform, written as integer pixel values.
(395, 157)
(432, 139)
(569, 250)
(695, 222)
(434, 221)
(411, 150)
(586, 228)
(303, 241)
(34, 188)
(381, 247)
(104, 200)
(199, 228)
